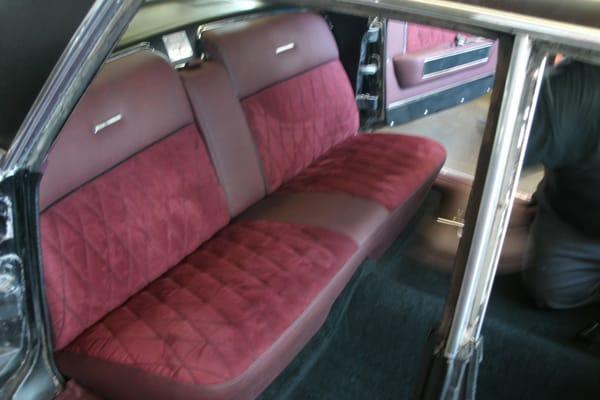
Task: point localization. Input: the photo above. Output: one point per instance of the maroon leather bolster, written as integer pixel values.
(261, 52)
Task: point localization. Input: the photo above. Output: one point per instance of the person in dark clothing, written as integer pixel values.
(562, 263)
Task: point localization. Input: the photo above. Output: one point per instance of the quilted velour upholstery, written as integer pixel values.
(385, 168)
(424, 37)
(208, 319)
(117, 233)
(154, 294)
(297, 120)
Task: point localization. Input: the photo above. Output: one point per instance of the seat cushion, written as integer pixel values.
(207, 322)
(385, 168)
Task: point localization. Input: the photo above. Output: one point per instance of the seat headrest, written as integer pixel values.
(261, 52)
(132, 102)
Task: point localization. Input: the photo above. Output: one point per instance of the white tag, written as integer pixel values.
(178, 46)
(284, 48)
(105, 124)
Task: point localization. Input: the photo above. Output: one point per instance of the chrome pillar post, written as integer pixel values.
(455, 346)
(514, 123)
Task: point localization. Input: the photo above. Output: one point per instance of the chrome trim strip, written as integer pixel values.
(405, 39)
(105, 124)
(421, 96)
(459, 50)
(451, 222)
(471, 18)
(453, 173)
(456, 68)
(284, 48)
(240, 18)
(504, 168)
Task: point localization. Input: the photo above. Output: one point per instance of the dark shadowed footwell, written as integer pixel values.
(371, 345)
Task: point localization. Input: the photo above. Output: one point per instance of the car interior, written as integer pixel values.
(231, 213)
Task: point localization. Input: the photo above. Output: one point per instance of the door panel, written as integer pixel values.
(429, 69)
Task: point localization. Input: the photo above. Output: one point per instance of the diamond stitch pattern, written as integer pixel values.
(117, 233)
(295, 121)
(209, 318)
(385, 168)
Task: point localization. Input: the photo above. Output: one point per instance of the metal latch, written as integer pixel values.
(367, 102)
(10, 270)
(6, 219)
(458, 224)
(372, 35)
(369, 69)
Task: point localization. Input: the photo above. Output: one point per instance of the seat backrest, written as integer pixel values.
(295, 94)
(129, 190)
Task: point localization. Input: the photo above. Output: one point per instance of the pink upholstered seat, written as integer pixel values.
(137, 290)
(153, 291)
(220, 322)
(304, 119)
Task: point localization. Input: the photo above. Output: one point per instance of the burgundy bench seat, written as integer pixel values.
(194, 244)
(220, 323)
(151, 292)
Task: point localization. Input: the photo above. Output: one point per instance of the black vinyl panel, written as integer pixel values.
(439, 101)
(456, 60)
